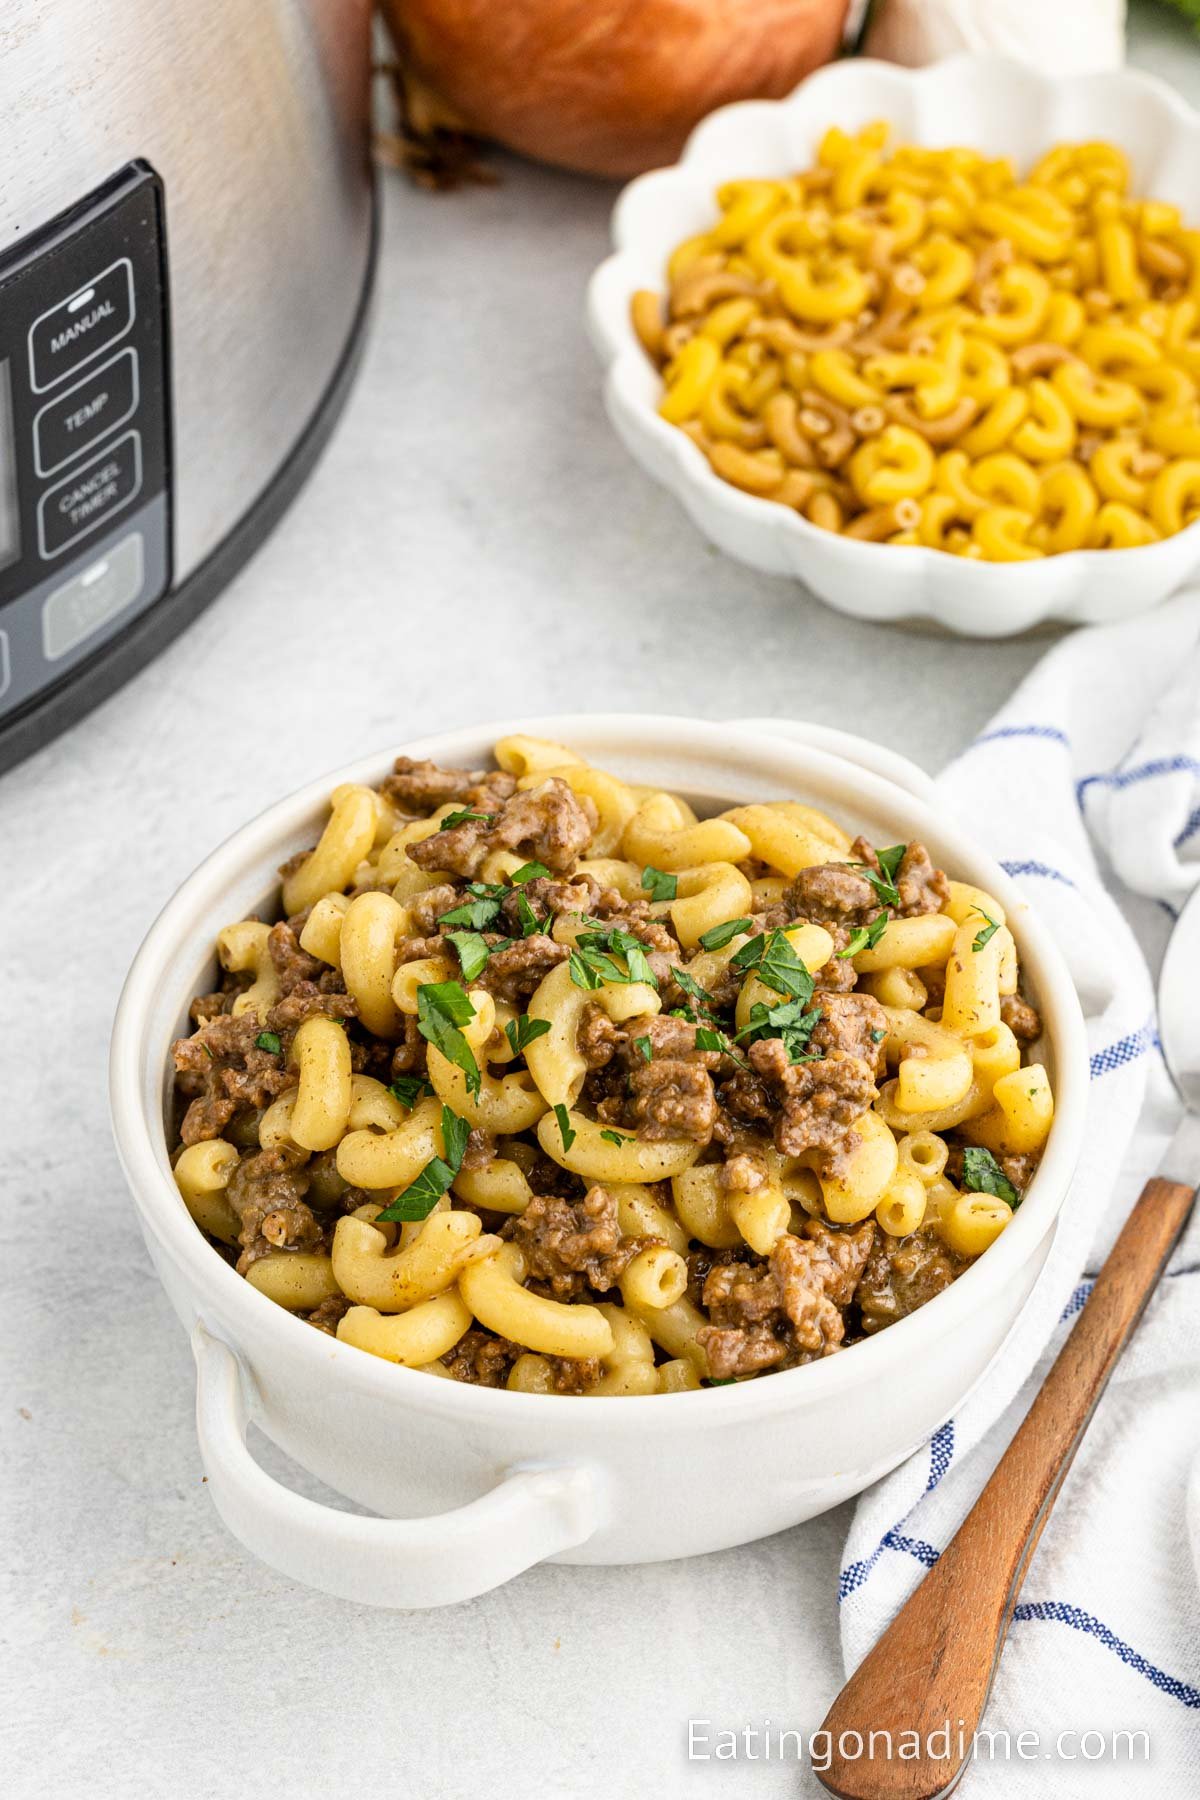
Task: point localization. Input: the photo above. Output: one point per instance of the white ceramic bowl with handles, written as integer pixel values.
(993, 105)
(475, 1484)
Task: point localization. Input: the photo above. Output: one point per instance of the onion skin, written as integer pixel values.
(606, 87)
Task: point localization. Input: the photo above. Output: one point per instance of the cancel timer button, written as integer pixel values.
(90, 495)
(89, 600)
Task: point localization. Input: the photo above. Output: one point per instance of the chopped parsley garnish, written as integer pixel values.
(615, 1137)
(442, 1006)
(593, 961)
(883, 879)
(877, 1037)
(982, 1174)
(268, 1040)
(989, 931)
(722, 1380)
(529, 921)
(462, 816)
(479, 911)
(644, 1048)
(525, 1030)
(658, 885)
(473, 951)
(704, 1002)
(776, 964)
(421, 1196)
(564, 1126)
(865, 937)
(788, 1021)
(707, 1039)
(530, 871)
(720, 935)
(408, 1089)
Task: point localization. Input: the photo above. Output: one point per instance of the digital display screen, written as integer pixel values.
(10, 518)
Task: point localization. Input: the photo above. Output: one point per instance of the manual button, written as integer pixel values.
(90, 496)
(68, 335)
(65, 427)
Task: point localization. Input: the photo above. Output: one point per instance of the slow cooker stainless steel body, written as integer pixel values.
(186, 249)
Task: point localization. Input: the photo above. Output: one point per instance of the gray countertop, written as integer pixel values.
(474, 543)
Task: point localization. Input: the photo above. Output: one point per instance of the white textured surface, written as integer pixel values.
(474, 542)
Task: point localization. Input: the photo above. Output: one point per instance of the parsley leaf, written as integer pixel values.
(644, 1048)
(865, 937)
(883, 879)
(722, 1380)
(525, 1030)
(877, 1037)
(477, 913)
(707, 1039)
(461, 817)
(593, 961)
(720, 935)
(530, 923)
(658, 885)
(408, 1089)
(989, 931)
(616, 1137)
(268, 1040)
(530, 871)
(442, 1006)
(473, 952)
(776, 964)
(422, 1195)
(982, 1174)
(700, 995)
(789, 1021)
(564, 1126)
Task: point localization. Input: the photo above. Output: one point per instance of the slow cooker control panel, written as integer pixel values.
(84, 432)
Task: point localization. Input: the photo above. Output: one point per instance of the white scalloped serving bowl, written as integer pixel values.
(994, 105)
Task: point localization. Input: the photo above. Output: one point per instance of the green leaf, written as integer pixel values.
(593, 961)
(720, 935)
(564, 1127)
(865, 937)
(988, 933)
(775, 962)
(889, 860)
(473, 952)
(530, 871)
(707, 1039)
(268, 1040)
(408, 1089)
(700, 995)
(659, 886)
(982, 1174)
(615, 1137)
(442, 1006)
(461, 817)
(525, 1030)
(788, 1021)
(722, 1380)
(530, 923)
(883, 879)
(475, 914)
(644, 1048)
(422, 1195)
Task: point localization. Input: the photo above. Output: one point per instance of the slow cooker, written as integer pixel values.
(187, 230)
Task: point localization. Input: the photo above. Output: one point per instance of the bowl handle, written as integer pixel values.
(530, 1514)
(874, 758)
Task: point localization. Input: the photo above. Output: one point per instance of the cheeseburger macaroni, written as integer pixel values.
(918, 347)
(541, 1081)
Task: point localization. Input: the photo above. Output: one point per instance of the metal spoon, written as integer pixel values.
(937, 1659)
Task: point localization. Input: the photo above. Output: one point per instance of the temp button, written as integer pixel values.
(90, 495)
(78, 328)
(87, 602)
(68, 426)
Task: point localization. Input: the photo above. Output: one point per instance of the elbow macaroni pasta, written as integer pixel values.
(740, 1068)
(920, 347)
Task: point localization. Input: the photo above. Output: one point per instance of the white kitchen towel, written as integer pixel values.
(1087, 788)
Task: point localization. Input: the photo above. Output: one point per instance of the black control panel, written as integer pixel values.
(84, 432)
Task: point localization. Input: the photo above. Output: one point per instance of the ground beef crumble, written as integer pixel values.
(575, 1245)
(785, 1309)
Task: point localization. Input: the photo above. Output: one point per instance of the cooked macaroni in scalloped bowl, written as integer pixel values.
(577, 1071)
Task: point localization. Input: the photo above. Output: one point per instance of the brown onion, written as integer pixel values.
(607, 87)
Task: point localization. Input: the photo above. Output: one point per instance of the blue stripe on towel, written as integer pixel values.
(1125, 1050)
(1078, 1620)
(1037, 868)
(854, 1574)
(941, 1454)
(1192, 825)
(1049, 733)
(1123, 778)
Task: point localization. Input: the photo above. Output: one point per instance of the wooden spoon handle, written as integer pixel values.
(935, 1662)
